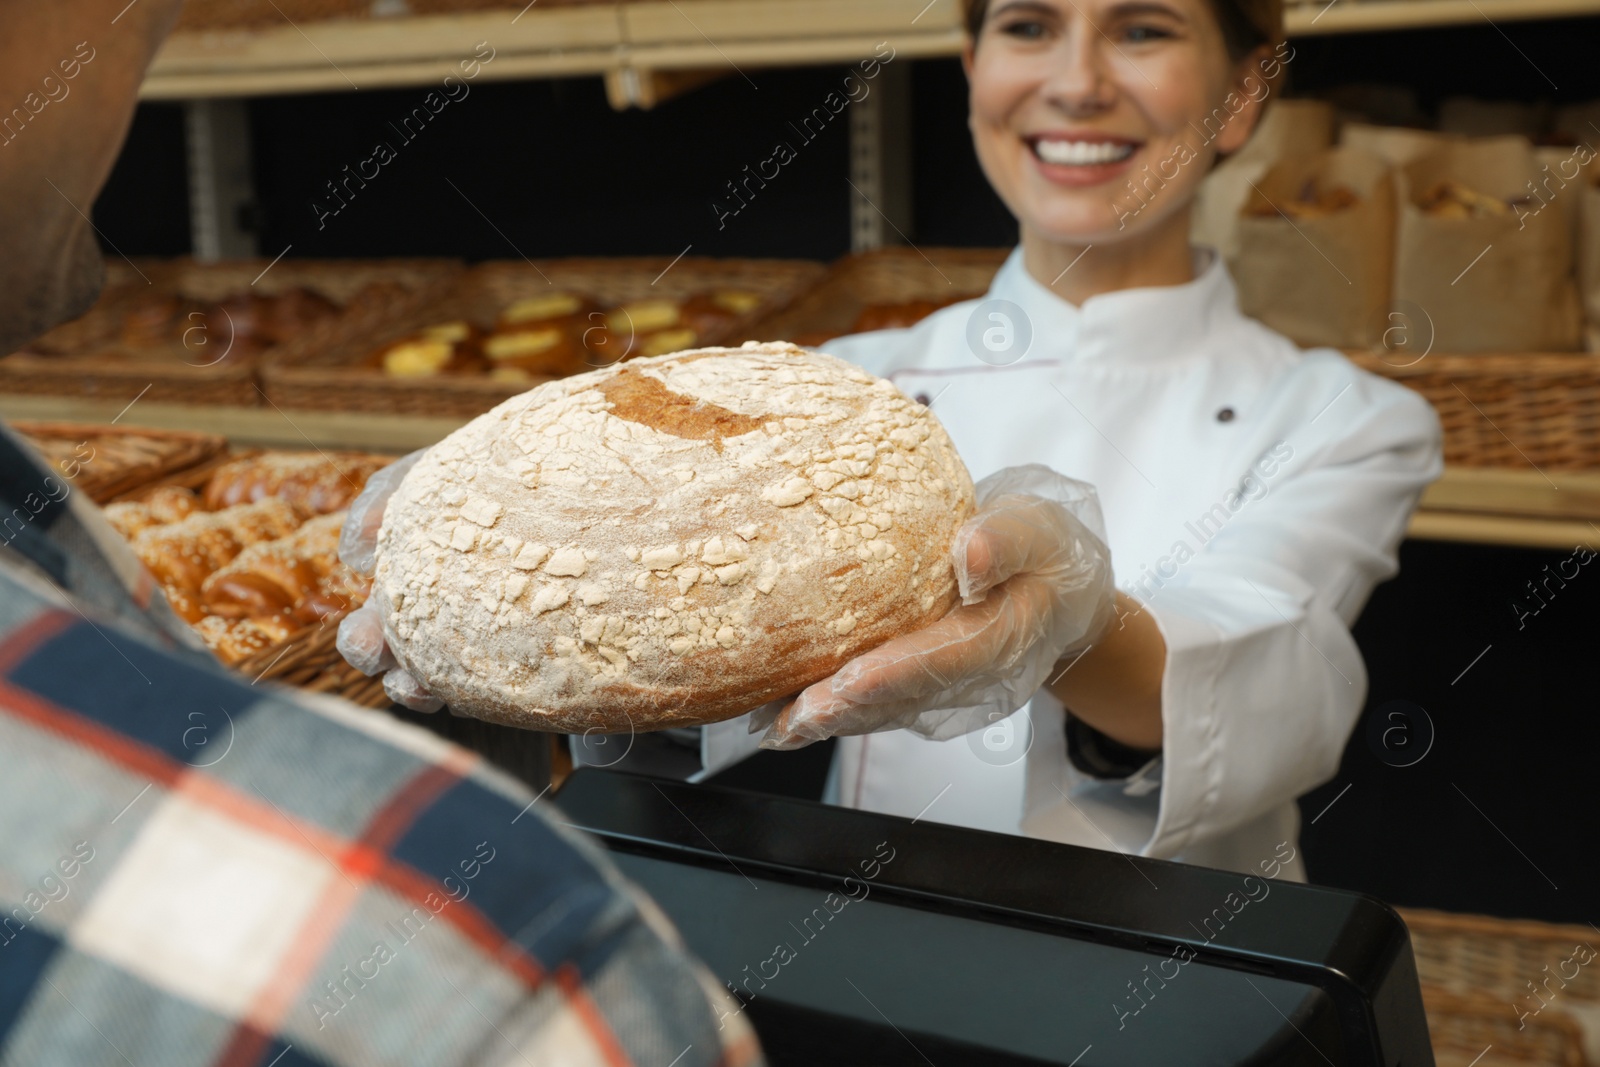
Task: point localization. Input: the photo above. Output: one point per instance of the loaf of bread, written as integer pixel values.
(670, 541)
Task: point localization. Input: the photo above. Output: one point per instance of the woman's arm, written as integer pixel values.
(1115, 686)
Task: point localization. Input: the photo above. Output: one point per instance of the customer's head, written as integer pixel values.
(1095, 120)
(69, 74)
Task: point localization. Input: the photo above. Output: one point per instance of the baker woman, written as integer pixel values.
(1252, 493)
(1180, 512)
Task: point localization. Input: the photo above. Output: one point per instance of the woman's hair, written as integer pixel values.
(1246, 24)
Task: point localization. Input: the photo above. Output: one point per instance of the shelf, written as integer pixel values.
(1494, 507)
(1508, 530)
(343, 55)
(588, 39)
(1367, 16)
(1529, 509)
(265, 427)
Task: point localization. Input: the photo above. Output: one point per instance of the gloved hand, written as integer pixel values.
(1035, 580)
(361, 641)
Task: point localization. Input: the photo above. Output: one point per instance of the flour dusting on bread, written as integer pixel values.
(671, 540)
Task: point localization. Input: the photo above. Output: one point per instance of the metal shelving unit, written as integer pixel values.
(649, 50)
(1504, 507)
(538, 42)
(650, 35)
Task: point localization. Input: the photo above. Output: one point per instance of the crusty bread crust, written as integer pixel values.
(669, 541)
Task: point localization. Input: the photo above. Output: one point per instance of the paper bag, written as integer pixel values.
(1486, 118)
(1487, 284)
(1578, 123)
(1288, 128)
(1396, 145)
(1323, 279)
(1588, 190)
(1561, 181)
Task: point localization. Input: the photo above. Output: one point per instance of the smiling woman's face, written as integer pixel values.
(1095, 120)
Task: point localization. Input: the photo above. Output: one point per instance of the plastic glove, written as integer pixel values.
(361, 641)
(1035, 580)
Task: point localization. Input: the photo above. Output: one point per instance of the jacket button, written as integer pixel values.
(1225, 415)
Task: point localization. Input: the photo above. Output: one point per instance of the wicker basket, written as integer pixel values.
(106, 462)
(215, 15)
(83, 360)
(882, 276)
(310, 661)
(1491, 962)
(193, 478)
(125, 279)
(1476, 1031)
(257, 14)
(326, 369)
(1498, 957)
(1508, 410)
(452, 7)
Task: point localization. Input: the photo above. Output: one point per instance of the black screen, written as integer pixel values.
(849, 976)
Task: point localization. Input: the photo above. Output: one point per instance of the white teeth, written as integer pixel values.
(1081, 153)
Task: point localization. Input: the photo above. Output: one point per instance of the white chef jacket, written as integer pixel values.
(1253, 495)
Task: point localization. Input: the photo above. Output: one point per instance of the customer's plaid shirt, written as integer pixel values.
(194, 870)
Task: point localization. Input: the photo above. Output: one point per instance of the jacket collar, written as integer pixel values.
(1145, 325)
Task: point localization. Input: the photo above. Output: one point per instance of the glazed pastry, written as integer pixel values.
(644, 316)
(708, 312)
(539, 349)
(239, 317)
(185, 604)
(299, 575)
(448, 348)
(171, 503)
(129, 517)
(643, 327)
(158, 320)
(182, 554)
(894, 316)
(663, 341)
(602, 346)
(558, 306)
(292, 312)
(259, 320)
(234, 640)
(314, 483)
(257, 571)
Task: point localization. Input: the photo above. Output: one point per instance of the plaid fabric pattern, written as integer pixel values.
(194, 870)
(57, 532)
